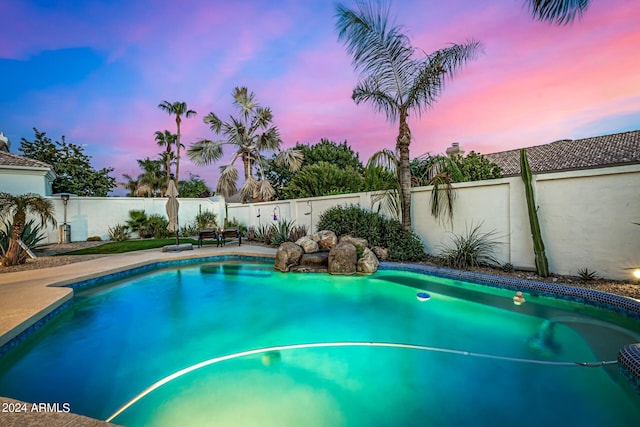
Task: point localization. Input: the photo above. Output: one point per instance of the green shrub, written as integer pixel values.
(190, 229)
(157, 227)
(94, 239)
(206, 219)
(119, 232)
(507, 268)
(378, 230)
(472, 249)
(138, 222)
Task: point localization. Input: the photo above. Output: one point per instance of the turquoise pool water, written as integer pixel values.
(119, 339)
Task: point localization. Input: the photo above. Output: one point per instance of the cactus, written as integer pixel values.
(542, 267)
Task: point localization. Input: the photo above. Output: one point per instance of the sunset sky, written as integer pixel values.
(95, 71)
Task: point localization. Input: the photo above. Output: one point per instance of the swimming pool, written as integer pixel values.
(468, 355)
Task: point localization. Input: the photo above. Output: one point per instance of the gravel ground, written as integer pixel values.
(625, 288)
(45, 256)
(47, 259)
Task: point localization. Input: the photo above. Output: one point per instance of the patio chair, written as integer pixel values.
(207, 233)
(229, 233)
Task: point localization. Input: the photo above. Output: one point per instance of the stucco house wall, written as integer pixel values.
(20, 175)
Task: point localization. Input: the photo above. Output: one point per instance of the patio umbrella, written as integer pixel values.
(172, 208)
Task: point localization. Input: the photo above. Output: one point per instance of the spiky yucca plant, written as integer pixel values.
(471, 249)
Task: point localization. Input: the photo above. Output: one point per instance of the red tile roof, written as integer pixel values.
(566, 154)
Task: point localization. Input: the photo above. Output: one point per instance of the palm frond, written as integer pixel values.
(433, 71)
(261, 119)
(204, 152)
(269, 140)
(386, 159)
(388, 198)
(376, 45)
(244, 101)
(368, 90)
(442, 197)
(214, 122)
(227, 182)
(265, 190)
(249, 188)
(290, 158)
(558, 12)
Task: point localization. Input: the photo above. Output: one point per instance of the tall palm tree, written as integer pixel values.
(131, 185)
(153, 180)
(439, 171)
(559, 12)
(178, 109)
(168, 140)
(250, 134)
(395, 80)
(19, 206)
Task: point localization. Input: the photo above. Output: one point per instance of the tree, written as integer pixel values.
(73, 168)
(559, 12)
(250, 135)
(18, 207)
(394, 80)
(131, 185)
(168, 140)
(476, 167)
(323, 179)
(177, 109)
(194, 187)
(153, 180)
(340, 155)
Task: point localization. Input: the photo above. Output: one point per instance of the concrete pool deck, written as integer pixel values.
(29, 296)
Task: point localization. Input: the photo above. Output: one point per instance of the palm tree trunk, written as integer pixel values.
(178, 151)
(246, 160)
(402, 146)
(15, 254)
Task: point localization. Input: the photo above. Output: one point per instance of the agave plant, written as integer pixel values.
(280, 231)
(17, 207)
(32, 234)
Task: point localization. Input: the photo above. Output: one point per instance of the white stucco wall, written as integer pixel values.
(20, 180)
(586, 218)
(92, 216)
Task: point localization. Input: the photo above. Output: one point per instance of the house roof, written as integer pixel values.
(8, 159)
(566, 154)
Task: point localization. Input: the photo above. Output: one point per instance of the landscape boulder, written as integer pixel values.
(358, 242)
(287, 256)
(308, 245)
(326, 239)
(381, 253)
(342, 259)
(368, 263)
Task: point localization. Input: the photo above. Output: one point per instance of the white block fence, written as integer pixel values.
(586, 217)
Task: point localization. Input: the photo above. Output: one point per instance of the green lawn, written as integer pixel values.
(132, 245)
